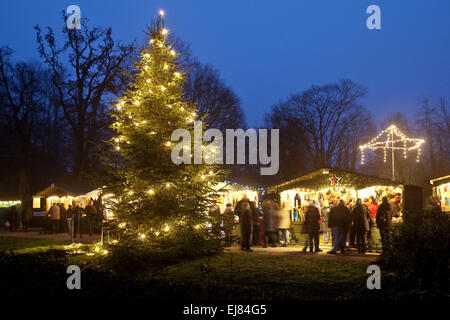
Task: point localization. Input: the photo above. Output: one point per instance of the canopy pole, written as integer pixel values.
(393, 161)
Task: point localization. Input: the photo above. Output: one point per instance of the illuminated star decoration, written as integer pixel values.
(392, 138)
(334, 180)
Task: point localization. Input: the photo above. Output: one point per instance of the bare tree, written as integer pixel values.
(21, 100)
(208, 90)
(85, 72)
(321, 127)
(213, 97)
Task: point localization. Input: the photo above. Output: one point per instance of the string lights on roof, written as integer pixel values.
(394, 139)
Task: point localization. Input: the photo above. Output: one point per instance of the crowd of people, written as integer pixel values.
(346, 225)
(73, 220)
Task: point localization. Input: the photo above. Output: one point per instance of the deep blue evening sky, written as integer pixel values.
(267, 50)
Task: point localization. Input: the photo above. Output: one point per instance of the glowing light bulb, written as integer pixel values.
(150, 191)
(161, 12)
(163, 88)
(164, 31)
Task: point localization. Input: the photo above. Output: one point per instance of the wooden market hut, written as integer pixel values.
(441, 191)
(61, 193)
(296, 193)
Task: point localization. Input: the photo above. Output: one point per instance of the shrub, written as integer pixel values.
(23, 273)
(419, 251)
(132, 255)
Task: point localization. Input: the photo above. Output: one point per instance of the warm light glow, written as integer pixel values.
(164, 31)
(161, 12)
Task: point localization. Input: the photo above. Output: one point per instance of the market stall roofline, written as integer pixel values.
(62, 191)
(297, 182)
(441, 180)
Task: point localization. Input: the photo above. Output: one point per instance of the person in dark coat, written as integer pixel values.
(269, 223)
(69, 218)
(384, 221)
(91, 216)
(361, 223)
(13, 218)
(256, 224)
(77, 214)
(26, 215)
(340, 220)
(63, 218)
(246, 213)
(312, 225)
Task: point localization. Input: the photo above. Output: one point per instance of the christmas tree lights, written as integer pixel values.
(155, 195)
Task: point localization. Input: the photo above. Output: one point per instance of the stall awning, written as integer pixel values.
(328, 177)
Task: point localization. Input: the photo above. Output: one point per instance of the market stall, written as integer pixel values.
(67, 194)
(327, 186)
(441, 191)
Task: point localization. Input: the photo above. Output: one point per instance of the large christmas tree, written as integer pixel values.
(153, 198)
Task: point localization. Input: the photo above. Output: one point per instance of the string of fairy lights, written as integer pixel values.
(147, 88)
(393, 139)
(390, 138)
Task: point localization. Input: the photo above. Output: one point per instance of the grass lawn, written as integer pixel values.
(260, 275)
(299, 276)
(29, 245)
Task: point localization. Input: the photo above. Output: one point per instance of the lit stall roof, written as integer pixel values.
(322, 179)
(440, 180)
(63, 191)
